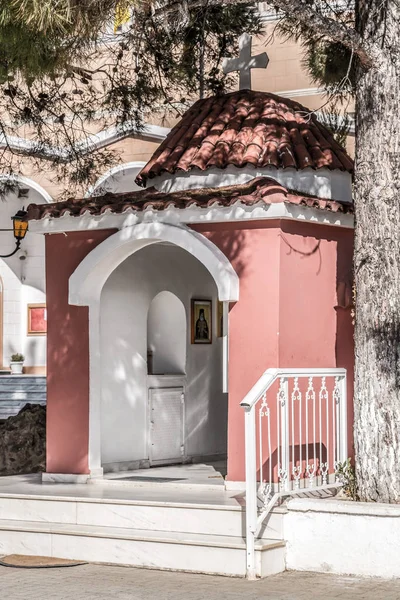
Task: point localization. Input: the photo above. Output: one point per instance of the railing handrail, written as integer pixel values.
(258, 393)
(269, 377)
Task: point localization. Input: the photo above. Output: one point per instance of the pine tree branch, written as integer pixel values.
(299, 10)
(305, 14)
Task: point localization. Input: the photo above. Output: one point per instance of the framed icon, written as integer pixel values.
(37, 319)
(201, 321)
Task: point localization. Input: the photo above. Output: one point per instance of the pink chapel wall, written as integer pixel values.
(253, 250)
(287, 314)
(67, 355)
(316, 300)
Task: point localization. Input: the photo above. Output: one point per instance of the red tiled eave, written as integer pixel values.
(247, 128)
(261, 189)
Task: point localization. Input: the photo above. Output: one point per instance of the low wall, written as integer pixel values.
(339, 536)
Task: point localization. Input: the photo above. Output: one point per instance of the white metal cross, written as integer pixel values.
(245, 62)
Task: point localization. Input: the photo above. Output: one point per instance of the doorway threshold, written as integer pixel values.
(188, 475)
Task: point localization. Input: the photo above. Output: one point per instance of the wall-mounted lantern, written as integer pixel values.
(20, 227)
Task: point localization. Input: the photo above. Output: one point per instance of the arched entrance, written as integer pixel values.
(107, 281)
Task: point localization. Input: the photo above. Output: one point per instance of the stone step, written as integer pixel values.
(26, 395)
(11, 392)
(188, 518)
(21, 381)
(212, 554)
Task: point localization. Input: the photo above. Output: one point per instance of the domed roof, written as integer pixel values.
(246, 128)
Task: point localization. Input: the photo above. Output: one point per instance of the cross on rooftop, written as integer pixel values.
(245, 62)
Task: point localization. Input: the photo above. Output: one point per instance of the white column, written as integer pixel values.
(225, 346)
(95, 467)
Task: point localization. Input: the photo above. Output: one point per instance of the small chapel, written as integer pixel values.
(167, 305)
(200, 356)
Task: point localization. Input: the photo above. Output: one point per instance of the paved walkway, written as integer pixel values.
(97, 582)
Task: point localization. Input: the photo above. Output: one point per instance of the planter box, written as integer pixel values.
(16, 368)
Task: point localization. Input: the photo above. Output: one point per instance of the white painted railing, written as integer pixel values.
(295, 434)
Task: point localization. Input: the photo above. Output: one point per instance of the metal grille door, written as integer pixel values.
(166, 425)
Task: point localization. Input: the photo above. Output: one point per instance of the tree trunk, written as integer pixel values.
(377, 260)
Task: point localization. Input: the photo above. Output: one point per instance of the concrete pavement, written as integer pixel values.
(101, 582)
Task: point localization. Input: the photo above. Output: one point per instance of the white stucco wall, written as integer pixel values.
(11, 312)
(125, 302)
(333, 536)
(33, 346)
(23, 278)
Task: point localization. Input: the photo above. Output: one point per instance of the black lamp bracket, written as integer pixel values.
(18, 244)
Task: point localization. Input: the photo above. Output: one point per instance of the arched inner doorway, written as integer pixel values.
(162, 399)
(166, 336)
(166, 366)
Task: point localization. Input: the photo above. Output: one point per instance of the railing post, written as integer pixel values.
(251, 491)
(343, 419)
(285, 449)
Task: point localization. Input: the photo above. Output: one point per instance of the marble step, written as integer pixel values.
(213, 554)
(12, 395)
(21, 394)
(149, 515)
(21, 377)
(16, 383)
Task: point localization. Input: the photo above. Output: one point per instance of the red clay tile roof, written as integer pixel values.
(259, 189)
(246, 128)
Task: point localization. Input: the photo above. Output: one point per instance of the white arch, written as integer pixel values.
(20, 179)
(136, 165)
(86, 282)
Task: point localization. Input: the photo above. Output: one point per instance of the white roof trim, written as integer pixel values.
(310, 91)
(92, 142)
(175, 216)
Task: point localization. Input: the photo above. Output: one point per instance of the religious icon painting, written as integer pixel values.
(201, 321)
(37, 319)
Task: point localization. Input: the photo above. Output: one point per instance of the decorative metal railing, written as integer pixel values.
(295, 435)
